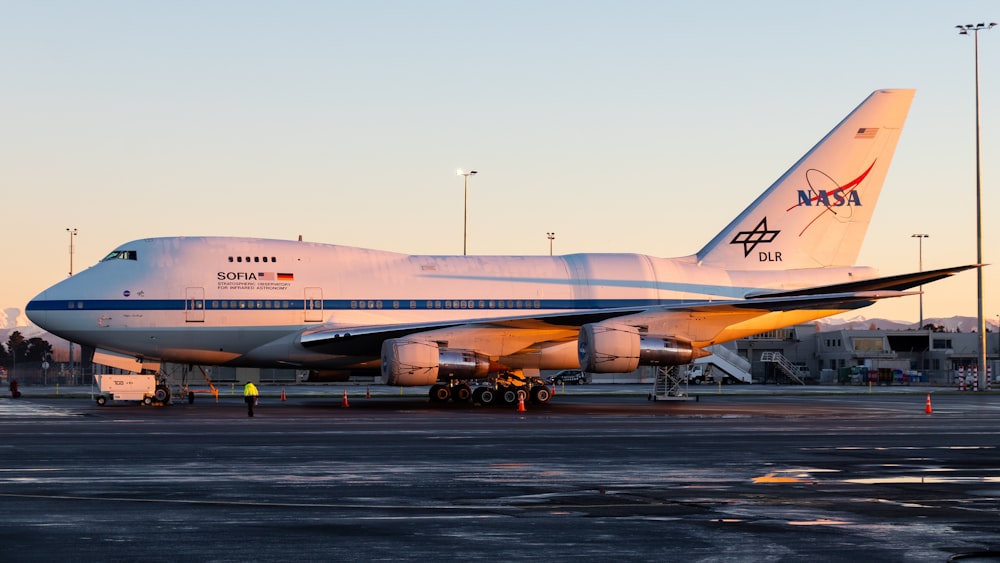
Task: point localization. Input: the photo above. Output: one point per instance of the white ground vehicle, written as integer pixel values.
(126, 388)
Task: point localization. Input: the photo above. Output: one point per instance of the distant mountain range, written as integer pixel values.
(950, 324)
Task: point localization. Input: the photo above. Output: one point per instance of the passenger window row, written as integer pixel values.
(249, 259)
(455, 304)
(251, 304)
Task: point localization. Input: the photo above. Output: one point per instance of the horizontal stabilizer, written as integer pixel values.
(894, 283)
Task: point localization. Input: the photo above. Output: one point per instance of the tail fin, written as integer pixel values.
(817, 213)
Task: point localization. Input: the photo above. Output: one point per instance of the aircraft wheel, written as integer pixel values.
(508, 396)
(102, 400)
(162, 394)
(461, 393)
(487, 396)
(440, 393)
(540, 395)
(147, 401)
(190, 397)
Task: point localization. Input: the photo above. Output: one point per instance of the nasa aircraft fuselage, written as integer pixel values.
(787, 259)
(150, 297)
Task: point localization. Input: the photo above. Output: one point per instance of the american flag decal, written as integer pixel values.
(866, 133)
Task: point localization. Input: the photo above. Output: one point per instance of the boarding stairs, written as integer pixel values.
(726, 361)
(671, 384)
(786, 367)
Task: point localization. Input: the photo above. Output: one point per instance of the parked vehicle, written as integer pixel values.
(573, 376)
(142, 388)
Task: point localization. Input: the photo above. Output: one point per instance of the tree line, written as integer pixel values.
(20, 349)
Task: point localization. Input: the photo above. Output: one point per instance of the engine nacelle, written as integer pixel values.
(620, 348)
(608, 348)
(411, 362)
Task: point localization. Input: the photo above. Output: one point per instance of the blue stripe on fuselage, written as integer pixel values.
(246, 304)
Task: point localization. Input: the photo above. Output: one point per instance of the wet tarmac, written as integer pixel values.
(834, 476)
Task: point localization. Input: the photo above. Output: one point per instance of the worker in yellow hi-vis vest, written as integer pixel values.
(250, 396)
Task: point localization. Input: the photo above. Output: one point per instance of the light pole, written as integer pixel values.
(552, 237)
(72, 235)
(465, 222)
(920, 239)
(964, 30)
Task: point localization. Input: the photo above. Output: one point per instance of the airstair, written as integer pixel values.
(724, 364)
(790, 370)
(671, 384)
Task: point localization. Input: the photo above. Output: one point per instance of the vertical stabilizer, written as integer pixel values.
(817, 213)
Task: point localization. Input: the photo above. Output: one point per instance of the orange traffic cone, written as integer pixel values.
(344, 403)
(928, 408)
(520, 403)
(368, 392)
(282, 392)
(553, 388)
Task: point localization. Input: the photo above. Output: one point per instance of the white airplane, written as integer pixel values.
(455, 322)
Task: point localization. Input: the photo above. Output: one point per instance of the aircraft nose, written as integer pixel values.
(35, 310)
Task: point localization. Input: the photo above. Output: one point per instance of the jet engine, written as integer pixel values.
(620, 348)
(410, 362)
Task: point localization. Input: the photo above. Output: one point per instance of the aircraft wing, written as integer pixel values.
(695, 321)
(367, 340)
(897, 283)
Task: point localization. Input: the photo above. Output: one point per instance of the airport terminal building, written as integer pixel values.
(845, 356)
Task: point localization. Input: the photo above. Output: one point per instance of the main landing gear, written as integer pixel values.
(505, 389)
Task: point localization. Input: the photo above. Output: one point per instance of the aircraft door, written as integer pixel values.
(194, 305)
(314, 305)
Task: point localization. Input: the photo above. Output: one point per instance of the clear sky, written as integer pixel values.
(621, 126)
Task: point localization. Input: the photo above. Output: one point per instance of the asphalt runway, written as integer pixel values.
(749, 477)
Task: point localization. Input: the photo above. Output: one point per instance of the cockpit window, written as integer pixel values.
(121, 255)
